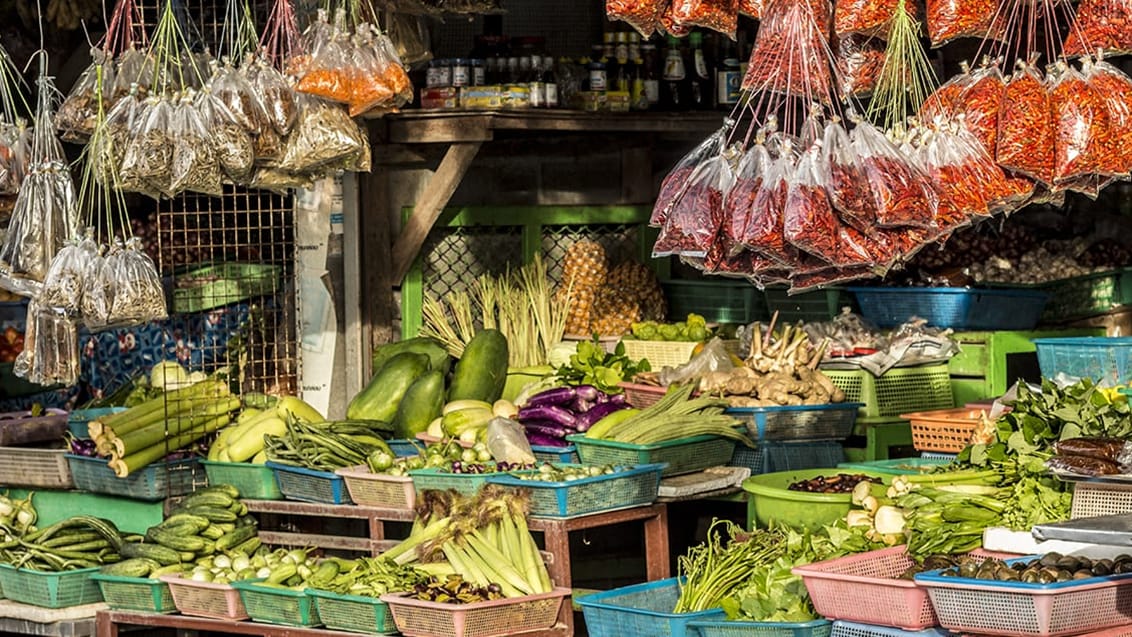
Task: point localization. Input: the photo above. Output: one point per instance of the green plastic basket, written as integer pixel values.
(438, 480)
(157, 481)
(280, 606)
(816, 628)
(900, 390)
(628, 487)
(222, 284)
(770, 502)
(253, 481)
(821, 305)
(135, 593)
(683, 455)
(1087, 295)
(353, 613)
(50, 590)
(716, 301)
(897, 466)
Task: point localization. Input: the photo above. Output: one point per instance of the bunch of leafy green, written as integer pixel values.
(592, 365)
(1037, 500)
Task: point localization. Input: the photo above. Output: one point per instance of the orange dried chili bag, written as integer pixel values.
(1101, 24)
(858, 59)
(846, 184)
(693, 223)
(739, 199)
(789, 55)
(717, 15)
(642, 15)
(867, 17)
(980, 102)
(752, 8)
(330, 73)
(809, 222)
(1115, 89)
(764, 231)
(1025, 126)
(899, 191)
(1081, 127)
(677, 181)
(951, 19)
(945, 102)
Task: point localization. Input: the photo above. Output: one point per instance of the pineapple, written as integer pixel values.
(614, 315)
(635, 281)
(583, 274)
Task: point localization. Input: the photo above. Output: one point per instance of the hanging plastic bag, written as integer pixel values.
(329, 74)
(147, 156)
(740, 198)
(847, 187)
(14, 149)
(138, 295)
(764, 230)
(233, 89)
(865, 17)
(693, 223)
(858, 59)
(91, 92)
(642, 15)
(280, 181)
(945, 103)
(1115, 89)
(231, 143)
(789, 56)
(276, 95)
(717, 15)
(98, 288)
(951, 19)
(63, 285)
(323, 135)
(1081, 126)
(392, 68)
(1025, 126)
(981, 102)
(135, 73)
(752, 8)
(676, 183)
(51, 350)
(1101, 24)
(809, 222)
(192, 165)
(410, 38)
(108, 147)
(901, 196)
(378, 81)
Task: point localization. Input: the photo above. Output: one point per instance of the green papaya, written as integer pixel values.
(438, 356)
(381, 397)
(481, 372)
(420, 406)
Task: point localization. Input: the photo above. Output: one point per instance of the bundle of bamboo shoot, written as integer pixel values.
(148, 432)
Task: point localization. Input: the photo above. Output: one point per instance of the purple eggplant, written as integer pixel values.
(580, 406)
(557, 415)
(547, 428)
(602, 398)
(556, 396)
(619, 399)
(587, 420)
(539, 440)
(587, 392)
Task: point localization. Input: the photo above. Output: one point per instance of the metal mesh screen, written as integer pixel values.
(621, 243)
(454, 257)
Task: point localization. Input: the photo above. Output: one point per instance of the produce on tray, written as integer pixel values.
(1051, 568)
(694, 329)
(548, 472)
(325, 446)
(551, 415)
(368, 577)
(604, 300)
(836, 483)
(676, 415)
(79, 541)
(592, 365)
(454, 589)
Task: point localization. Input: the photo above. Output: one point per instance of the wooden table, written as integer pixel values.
(556, 536)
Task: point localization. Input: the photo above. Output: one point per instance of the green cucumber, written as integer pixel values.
(481, 372)
(420, 406)
(155, 552)
(380, 398)
(132, 567)
(234, 538)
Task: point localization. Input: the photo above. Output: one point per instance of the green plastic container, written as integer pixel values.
(896, 466)
(683, 455)
(466, 484)
(253, 481)
(353, 613)
(280, 606)
(771, 502)
(135, 593)
(50, 590)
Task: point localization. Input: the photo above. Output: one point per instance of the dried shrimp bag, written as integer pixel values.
(232, 88)
(764, 231)
(393, 68)
(324, 135)
(717, 15)
(231, 143)
(740, 197)
(1101, 24)
(135, 73)
(1081, 119)
(280, 181)
(277, 96)
(193, 166)
(63, 285)
(138, 294)
(951, 19)
(858, 60)
(92, 91)
(642, 15)
(693, 223)
(789, 54)
(901, 196)
(809, 222)
(676, 183)
(1115, 88)
(846, 184)
(146, 161)
(1026, 126)
(51, 348)
(108, 146)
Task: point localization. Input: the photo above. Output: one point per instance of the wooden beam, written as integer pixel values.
(438, 190)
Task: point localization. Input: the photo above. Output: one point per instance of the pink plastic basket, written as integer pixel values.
(418, 618)
(205, 599)
(378, 490)
(1119, 631)
(864, 588)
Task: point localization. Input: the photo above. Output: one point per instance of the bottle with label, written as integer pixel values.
(621, 46)
(638, 96)
(511, 76)
(538, 87)
(673, 91)
(550, 82)
(608, 45)
(634, 45)
(649, 64)
(699, 77)
(727, 82)
(599, 79)
(620, 70)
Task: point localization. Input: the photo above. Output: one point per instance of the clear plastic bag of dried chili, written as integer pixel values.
(846, 184)
(951, 19)
(1025, 125)
(1115, 88)
(692, 225)
(764, 233)
(752, 8)
(809, 222)
(676, 183)
(642, 15)
(858, 59)
(790, 53)
(945, 103)
(981, 102)
(865, 17)
(1101, 24)
(717, 15)
(738, 200)
(1081, 131)
(900, 194)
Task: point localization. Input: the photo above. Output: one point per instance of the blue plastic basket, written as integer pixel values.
(770, 457)
(308, 485)
(816, 628)
(156, 481)
(402, 448)
(641, 610)
(853, 629)
(796, 423)
(79, 420)
(1103, 359)
(628, 487)
(556, 455)
(956, 308)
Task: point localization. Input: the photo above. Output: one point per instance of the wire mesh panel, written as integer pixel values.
(453, 258)
(620, 241)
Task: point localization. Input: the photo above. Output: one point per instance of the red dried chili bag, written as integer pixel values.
(764, 231)
(694, 222)
(1101, 24)
(1025, 126)
(753, 8)
(801, 283)
(847, 188)
(676, 183)
(1115, 88)
(1081, 127)
(867, 17)
(951, 19)
(980, 102)
(717, 15)
(739, 199)
(858, 59)
(642, 15)
(900, 192)
(809, 222)
(945, 102)
(789, 55)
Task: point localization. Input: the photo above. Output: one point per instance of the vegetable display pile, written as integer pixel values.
(548, 472)
(592, 365)
(676, 415)
(1050, 568)
(325, 446)
(551, 415)
(80, 541)
(694, 329)
(838, 483)
(369, 577)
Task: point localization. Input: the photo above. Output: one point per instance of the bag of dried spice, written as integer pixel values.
(1115, 89)
(135, 73)
(324, 135)
(231, 143)
(900, 193)
(138, 295)
(763, 234)
(329, 74)
(642, 15)
(865, 17)
(91, 92)
(847, 186)
(276, 95)
(951, 19)
(809, 222)
(1101, 24)
(146, 158)
(193, 165)
(694, 222)
(740, 197)
(1025, 125)
(789, 55)
(945, 103)
(717, 15)
(981, 102)
(752, 8)
(1081, 120)
(676, 183)
(858, 59)
(393, 67)
(372, 88)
